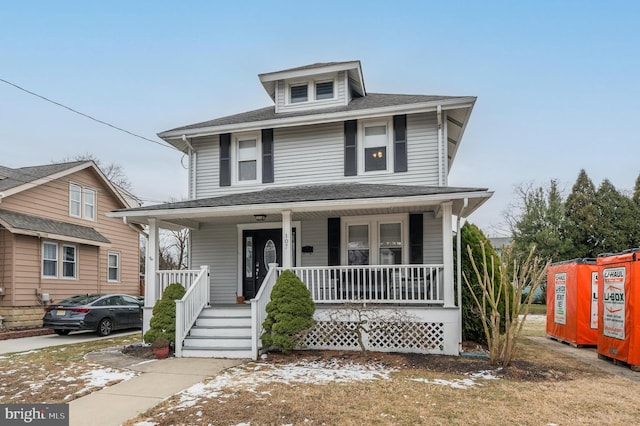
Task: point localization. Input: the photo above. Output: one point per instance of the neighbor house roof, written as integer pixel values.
(12, 178)
(20, 223)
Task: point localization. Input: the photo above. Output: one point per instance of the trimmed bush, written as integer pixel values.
(163, 320)
(289, 313)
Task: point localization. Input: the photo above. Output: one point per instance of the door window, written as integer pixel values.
(270, 253)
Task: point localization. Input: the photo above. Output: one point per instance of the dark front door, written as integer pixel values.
(260, 247)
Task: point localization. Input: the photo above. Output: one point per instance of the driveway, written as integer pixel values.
(37, 342)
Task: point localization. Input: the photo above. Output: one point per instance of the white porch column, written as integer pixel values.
(150, 269)
(447, 253)
(287, 252)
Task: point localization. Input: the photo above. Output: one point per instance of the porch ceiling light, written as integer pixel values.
(260, 217)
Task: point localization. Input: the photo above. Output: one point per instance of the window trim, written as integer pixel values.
(56, 260)
(118, 267)
(235, 168)
(71, 201)
(311, 90)
(362, 125)
(75, 262)
(374, 223)
(85, 203)
(290, 92)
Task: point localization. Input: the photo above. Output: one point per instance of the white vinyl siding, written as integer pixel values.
(314, 234)
(432, 248)
(315, 155)
(217, 246)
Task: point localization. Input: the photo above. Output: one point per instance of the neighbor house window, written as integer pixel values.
(82, 202)
(75, 200)
(114, 267)
(247, 159)
(89, 204)
(324, 90)
(375, 144)
(69, 261)
(50, 260)
(299, 93)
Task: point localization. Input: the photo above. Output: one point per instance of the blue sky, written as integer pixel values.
(556, 81)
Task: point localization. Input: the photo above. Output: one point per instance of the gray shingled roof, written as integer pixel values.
(11, 178)
(372, 100)
(311, 66)
(26, 222)
(340, 191)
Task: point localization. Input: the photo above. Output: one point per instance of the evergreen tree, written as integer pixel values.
(616, 227)
(636, 192)
(582, 215)
(471, 235)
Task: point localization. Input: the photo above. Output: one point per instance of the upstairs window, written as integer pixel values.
(82, 202)
(75, 200)
(89, 204)
(299, 93)
(375, 144)
(324, 90)
(247, 159)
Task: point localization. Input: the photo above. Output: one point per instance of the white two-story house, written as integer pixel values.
(346, 188)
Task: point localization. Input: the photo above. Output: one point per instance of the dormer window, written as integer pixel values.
(324, 90)
(299, 93)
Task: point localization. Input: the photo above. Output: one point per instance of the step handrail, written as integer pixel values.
(259, 309)
(189, 307)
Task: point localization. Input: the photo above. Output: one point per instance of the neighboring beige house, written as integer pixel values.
(55, 240)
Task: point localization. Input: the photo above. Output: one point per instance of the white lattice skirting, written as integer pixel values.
(419, 335)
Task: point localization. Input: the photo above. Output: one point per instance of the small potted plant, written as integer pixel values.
(160, 348)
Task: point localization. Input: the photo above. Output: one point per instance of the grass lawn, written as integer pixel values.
(314, 388)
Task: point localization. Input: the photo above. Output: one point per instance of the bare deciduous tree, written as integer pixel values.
(113, 171)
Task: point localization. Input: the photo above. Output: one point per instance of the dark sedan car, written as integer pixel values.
(102, 313)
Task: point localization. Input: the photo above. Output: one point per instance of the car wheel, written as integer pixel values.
(62, 332)
(105, 327)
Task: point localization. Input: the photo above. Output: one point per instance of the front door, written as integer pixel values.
(260, 247)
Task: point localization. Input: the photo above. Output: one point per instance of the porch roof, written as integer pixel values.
(339, 197)
(20, 223)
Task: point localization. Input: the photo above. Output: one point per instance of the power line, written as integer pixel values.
(85, 115)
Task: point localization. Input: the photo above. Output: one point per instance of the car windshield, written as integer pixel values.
(82, 299)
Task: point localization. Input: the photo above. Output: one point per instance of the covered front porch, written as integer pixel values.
(386, 249)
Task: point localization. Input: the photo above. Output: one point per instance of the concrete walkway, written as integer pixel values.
(158, 380)
(24, 344)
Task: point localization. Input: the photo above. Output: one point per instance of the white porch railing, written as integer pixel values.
(189, 307)
(166, 277)
(422, 284)
(259, 308)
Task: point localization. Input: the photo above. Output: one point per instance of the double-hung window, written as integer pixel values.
(75, 200)
(69, 261)
(378, 240)
(113, 267)
(49, 260)
(82, 202)
(375, 146)
(89, 204)
(247, 159)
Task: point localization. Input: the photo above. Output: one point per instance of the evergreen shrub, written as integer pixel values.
(289, 313)
(163, 320)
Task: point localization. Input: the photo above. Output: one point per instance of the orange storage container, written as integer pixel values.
(572, 302)
(619, 307)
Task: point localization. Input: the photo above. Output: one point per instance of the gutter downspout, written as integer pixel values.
(440, 146)
(459, 269)
(192, 163)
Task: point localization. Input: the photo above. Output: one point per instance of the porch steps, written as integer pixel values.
(222, 331)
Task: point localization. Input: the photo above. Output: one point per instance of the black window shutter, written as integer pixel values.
(416, 238)
(350, 148)
(267, 155)
(400, 143)
(225, 159)
(333, 241)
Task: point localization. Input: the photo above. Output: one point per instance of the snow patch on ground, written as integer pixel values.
(248, 377)
(465, 383)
